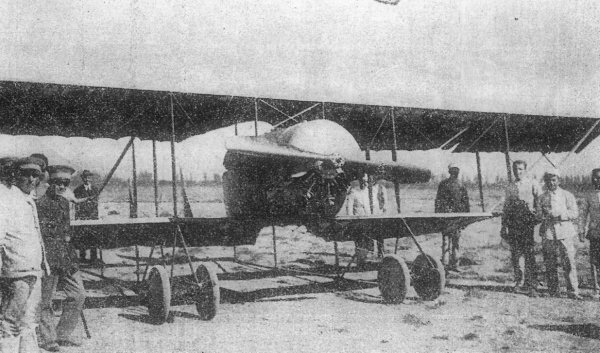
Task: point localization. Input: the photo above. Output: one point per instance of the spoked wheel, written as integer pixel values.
(158, 297)
(428, 277)
(393, 278)
(208, 294)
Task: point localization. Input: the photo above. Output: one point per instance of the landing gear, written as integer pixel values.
(428, 276)
(159, 294)
(207, 294)
(393, 279)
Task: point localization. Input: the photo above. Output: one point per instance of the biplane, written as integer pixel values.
(296, 174)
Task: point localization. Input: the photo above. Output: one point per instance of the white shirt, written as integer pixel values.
(524, 189)
(23, 247)
(557, 210)
(358, 203)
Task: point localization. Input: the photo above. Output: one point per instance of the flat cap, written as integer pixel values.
(60, 171)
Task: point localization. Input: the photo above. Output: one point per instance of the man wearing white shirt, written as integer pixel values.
(558, 211)
(590, 228)
(23, 260)
(358, 203)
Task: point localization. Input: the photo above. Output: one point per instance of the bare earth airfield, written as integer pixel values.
(476, 313)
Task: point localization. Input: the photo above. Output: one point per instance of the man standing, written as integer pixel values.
(358, 203)
(452, 197)
(518, 223)
(87, 209)
(55, 225)
(557, 210)
(590, 228)
(23, 259)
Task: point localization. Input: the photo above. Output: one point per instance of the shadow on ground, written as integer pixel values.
(580, 330)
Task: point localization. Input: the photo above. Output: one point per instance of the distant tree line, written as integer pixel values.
(571, 182)
(146, 179)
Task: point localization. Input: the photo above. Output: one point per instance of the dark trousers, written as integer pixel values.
(73, 305)
(450, 246)
(522, 246)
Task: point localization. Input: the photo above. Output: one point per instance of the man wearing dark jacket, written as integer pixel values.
(451, 197)
(88, 208)
(53, 210)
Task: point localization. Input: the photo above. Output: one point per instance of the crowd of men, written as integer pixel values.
(527, 204)
(36, 255)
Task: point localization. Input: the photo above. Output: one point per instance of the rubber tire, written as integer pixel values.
(158, 296)
(428, 282)
(393, 279)
(208, 293)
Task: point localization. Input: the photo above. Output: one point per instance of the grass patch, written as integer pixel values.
(470, 337)
(473, 293)
(437, 305)
(443, 338)
(414, 320)
(495, 278)
(570, 319)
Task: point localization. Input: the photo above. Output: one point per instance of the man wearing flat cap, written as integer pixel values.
(558, 213)
(23, 258)
(88, 209)
(451, 197)
(53, 211)
(42, 160)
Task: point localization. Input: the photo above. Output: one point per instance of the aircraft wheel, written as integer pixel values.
(158, 297)
(393, 279)
(208, 294)
(428, 281)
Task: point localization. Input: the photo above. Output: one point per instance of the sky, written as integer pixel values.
(534, 57)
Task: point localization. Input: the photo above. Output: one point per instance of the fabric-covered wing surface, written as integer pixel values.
(393, 225)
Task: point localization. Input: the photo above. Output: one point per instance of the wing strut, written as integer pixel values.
(507, 153)
(395, 158)
(297, 114)
(112, 170)
(453, 138)
(155, 174)
(479, 181)
(173, 163)
(134, 199)
(580, 141)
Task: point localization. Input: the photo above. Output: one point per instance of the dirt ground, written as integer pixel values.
(476, 313)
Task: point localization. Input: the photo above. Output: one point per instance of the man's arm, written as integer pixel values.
(350, 203)
(584, 219)
(572, 211)
(382, 198)
(439, 198)
(505, 209)
(465, 200)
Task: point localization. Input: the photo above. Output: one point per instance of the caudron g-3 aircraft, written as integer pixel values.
(299, 174)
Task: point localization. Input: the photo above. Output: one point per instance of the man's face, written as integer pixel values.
(364, 181)
(28, 179)
(453, 172)
(596, 179)
(59, 185)
(85, 179)
(551, 182)
(519, 171)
